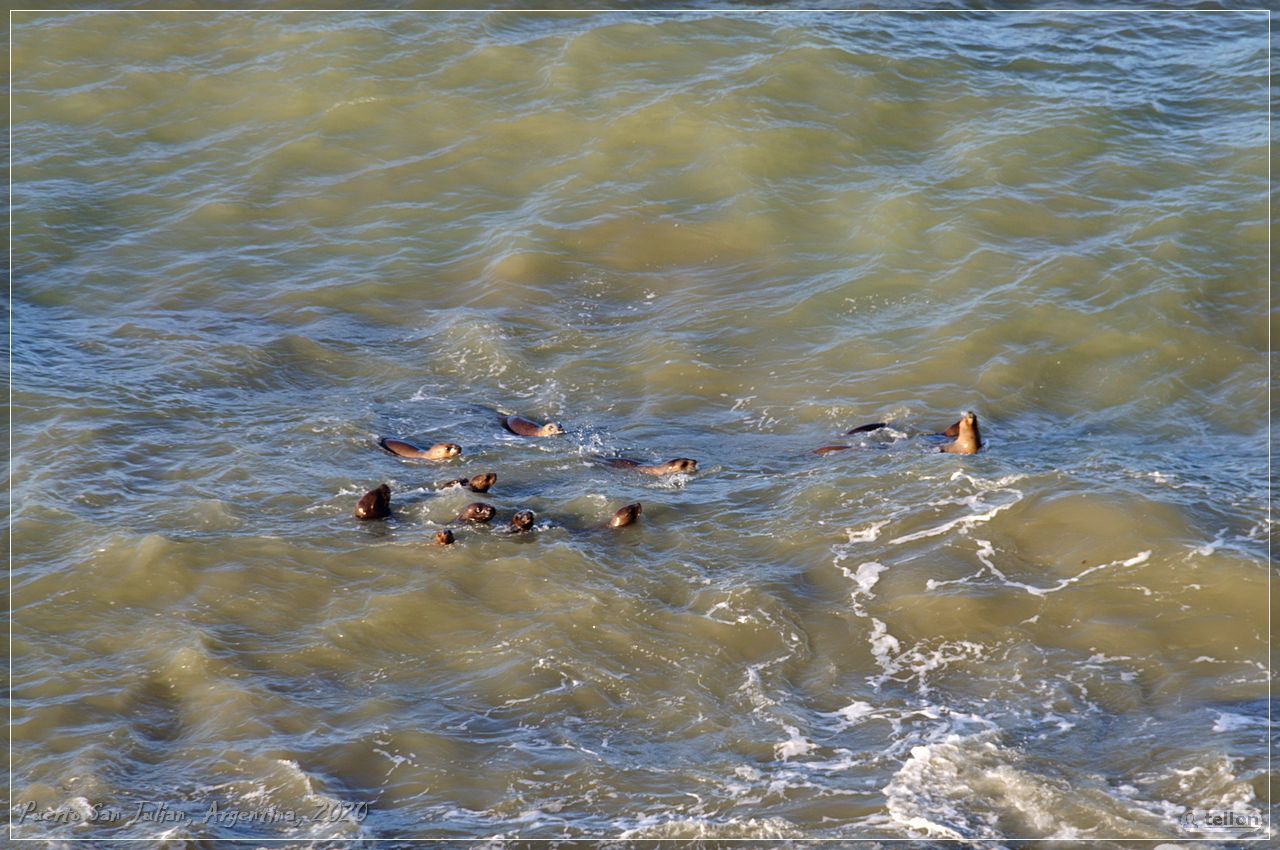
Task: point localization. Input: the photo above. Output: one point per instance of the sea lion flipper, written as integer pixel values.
(826, 450)
(953, 431)
(873, 426)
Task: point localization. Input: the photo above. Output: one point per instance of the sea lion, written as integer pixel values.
(521, 521)
(476, 483)
(528, 428)
(376, 504)
(402, 448)
(477, 512)
(968, 439)
(671, 467)
(444, 538)
(861, 429)
(625, 516)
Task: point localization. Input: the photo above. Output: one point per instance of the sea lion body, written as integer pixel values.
(674, 466)
(968, 439)
(403, 448)
(476, 512)
(476, 483)
(376, 504)
(625, 516)
(528, 428)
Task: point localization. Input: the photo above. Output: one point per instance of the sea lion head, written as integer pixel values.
(681, 464)
(376, 504)
(551, 429)
(476, 512)
(522, 521)
(482, 482)
(444, 451)
(625, 516)
(444, 538)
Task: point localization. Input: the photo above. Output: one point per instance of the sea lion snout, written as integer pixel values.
(682, 464)
(552, 429)
(444, 538)
(522, 521)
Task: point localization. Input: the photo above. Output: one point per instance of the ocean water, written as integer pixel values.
(246, 245)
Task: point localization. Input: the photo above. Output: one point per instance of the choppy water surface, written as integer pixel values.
(248, 244)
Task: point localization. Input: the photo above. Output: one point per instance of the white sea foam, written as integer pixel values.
(868, 534)
(795, 745)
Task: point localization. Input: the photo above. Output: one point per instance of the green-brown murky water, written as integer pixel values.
(246, 245)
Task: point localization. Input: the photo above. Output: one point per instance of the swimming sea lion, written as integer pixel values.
(521, 521)
(861, 429)
(401, 448)
(967, 437)
(625, 516)
(528, 428)
(671, 467)
(444, 538)
(476, 483)
(477, 512)
(376, 504)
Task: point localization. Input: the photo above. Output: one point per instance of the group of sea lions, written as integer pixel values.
(966, 439)
(376, 504)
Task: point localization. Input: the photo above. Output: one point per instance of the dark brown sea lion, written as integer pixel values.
(476, 483)
(477, 512)
(401, 448)
(671, 467)
(861, 429)
(444, 538)
(625, 516)
(968, 439)
(376, 504)
(528, 428)
(521, 521)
